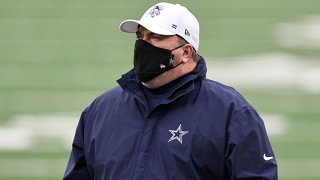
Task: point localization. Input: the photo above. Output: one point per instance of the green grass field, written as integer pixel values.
(57, 56)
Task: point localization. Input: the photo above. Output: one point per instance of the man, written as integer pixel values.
(165, 120)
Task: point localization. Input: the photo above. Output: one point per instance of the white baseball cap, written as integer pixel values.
(167, 19)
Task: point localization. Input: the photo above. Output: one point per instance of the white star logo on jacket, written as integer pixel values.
(177, 134)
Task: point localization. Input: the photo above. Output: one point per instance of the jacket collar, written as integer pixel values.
(130, 83)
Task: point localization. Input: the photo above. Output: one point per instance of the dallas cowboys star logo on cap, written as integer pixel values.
(177, 134)
(155, 11)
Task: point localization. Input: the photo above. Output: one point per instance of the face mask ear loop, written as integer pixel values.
(171, 60)
(176, 65)
(172, 56)
(177, 47)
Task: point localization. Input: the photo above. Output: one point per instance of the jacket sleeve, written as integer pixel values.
(77, 165)
(249, 154)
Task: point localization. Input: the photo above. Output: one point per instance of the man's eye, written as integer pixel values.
(155, 36)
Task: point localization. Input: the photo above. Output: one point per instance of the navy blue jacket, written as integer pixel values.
(203, 131)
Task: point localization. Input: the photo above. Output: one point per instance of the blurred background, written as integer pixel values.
(57, 56)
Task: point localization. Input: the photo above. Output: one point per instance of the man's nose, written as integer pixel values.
(146, 38)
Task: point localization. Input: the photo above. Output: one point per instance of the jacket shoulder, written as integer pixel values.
(107, 98)
(112, 93)
(222, 92)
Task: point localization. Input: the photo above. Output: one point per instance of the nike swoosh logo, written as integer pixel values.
(267, 158)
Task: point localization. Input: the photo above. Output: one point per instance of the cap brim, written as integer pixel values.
(131, 26)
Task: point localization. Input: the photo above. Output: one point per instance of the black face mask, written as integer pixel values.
(150, 61)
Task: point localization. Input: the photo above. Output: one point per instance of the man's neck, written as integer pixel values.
(170, 75)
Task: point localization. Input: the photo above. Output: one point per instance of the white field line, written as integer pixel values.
(275, 124)
(269, 71)
(301, 132)
(276, 70)
(23, 131)
(303, 33)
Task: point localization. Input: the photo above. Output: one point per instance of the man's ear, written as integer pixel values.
(187, 53)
